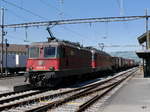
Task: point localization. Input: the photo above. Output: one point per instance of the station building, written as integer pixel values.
(145, 53)
(15, 49)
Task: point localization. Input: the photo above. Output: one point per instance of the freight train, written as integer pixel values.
(55, 60)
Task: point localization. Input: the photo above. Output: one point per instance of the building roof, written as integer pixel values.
(15, 48)
(142, 38)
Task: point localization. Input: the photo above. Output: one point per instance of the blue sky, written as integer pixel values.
(87, 34)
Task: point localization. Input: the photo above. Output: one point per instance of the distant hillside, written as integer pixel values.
(126, 54)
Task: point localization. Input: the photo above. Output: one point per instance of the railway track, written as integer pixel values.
(62, 98)
(10, 76)
(81, 101)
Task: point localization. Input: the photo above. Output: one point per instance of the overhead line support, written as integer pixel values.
(2, 39)
(75, 21)
(147, 32)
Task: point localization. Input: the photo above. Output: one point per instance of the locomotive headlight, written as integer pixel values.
(30, 68)
(41, 63)
(51, 68)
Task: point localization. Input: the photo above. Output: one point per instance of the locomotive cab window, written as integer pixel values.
(34, 52)
(49, 52)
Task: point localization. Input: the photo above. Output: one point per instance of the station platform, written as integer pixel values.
(134, 96)
(7, 84)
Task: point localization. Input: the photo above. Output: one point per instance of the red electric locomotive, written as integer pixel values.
(50, 62)
(101, 61)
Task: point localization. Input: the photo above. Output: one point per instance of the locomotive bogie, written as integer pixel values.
(42, 78)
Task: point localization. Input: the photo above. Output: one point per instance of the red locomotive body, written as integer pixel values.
(53, 60)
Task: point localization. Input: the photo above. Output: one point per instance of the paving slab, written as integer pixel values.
(134, 96)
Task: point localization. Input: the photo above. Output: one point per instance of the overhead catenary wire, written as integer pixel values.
(12, 37)
(15, 14)
(122, 46)
(46, 3)
(76, 21)
(34, 14)
(61, 1)
(65, 28)
(102, 46)
(24, 9)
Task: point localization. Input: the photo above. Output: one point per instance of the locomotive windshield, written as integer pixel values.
(34, 52)
(49, 52)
